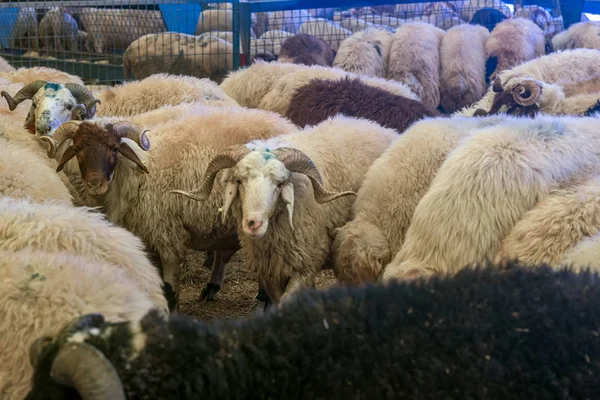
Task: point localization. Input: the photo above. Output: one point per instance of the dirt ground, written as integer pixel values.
(237, 295)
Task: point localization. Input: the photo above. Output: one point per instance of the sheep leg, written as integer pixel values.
(221, 258)
(170, 270)
(209, 260)
(295, 284)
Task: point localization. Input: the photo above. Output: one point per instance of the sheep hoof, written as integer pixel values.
(210, 291)
(171, 296)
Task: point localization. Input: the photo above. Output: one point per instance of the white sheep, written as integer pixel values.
(462, 67)
(285, 227)
(25, 32)
(365, 53)
(214, 20)
(486, 186)
(555, 225)
(28, 75)
(392, 188)
(329, 31)
(55, 227)
(580, 35)
(513, 42)
(567, 65)
(25, 174)
(131, 185)
(58, 31)
(41, 291)
(288, 20)
(177, 53)
(415, 60)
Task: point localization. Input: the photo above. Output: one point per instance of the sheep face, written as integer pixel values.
(96, 149)
(259, 180)
(53, 104)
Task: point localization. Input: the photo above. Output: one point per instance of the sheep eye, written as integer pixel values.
(69, 107)
(238, 181)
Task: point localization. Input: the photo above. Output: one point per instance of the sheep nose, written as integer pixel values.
(254, 224)
(43, 129)
(94, 184)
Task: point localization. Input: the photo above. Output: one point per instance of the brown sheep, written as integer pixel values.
(322, 98)
(306, 49)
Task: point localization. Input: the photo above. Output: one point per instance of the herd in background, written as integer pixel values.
(304, 167)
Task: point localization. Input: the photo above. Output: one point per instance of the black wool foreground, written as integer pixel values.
(491, 333)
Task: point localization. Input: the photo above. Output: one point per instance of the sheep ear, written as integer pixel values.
(287, 195)
(69, 153)
(231, 191)
(129, 153)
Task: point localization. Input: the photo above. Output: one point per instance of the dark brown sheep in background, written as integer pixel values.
(321, 99)
(306, 49)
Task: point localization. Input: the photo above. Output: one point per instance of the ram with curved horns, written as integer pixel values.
(286, 229)
(528, 96)
(52, 104)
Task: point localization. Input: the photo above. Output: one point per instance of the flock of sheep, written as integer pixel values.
(386, 161)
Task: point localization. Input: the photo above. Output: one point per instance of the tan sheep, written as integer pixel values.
(214, 20)
(580, 35)
(555, 225)
(178, 53)
(392, 188)
(462, 67)
(486, 186)
(365, 53)
(159, 90)
(25, 174)
(415, 60)
(514, 41)
(28, 75)
(586, 254)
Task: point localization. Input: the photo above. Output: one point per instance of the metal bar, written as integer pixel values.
(245, 27)
(235, 26)
(282, 5)
(93, 3)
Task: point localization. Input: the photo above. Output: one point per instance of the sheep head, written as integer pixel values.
(68, 367)
(96, 148)
(519, 98)
(53, 104)
(261, 179)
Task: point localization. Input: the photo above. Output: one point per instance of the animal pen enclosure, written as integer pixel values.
(108, 41)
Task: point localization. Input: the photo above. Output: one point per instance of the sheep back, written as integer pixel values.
(415, 60)
(159, 90)
(321, 99)
(513, 42)
(557, 223)
(78, 231)
(306, 49)
(365, 53)
(462, 67)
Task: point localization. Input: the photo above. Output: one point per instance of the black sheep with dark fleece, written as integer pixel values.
(320, 99)
(493, 333)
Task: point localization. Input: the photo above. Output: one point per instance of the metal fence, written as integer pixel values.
(108, 41)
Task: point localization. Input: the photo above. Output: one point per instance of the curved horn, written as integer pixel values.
(226, 159)
(296, 161)
(497, 87)
(526, 93)
(85, 96)
(88, 371)
(26, 93)
(36, 349)
(51, 145)
(131, 131)
(65, 131)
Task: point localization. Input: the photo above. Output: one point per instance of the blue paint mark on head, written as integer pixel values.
(52, 86)
(267, 155)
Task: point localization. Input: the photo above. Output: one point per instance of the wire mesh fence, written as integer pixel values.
(110, 40)
(333, 25)
(107, 41)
